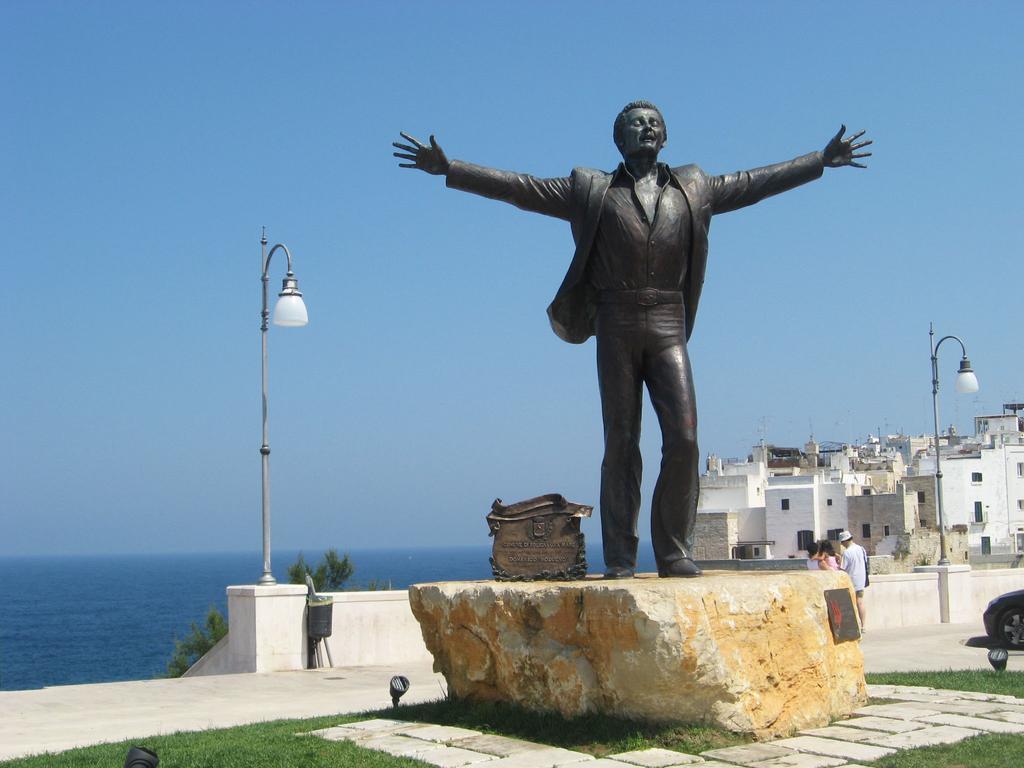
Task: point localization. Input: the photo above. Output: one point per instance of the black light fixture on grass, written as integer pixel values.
(997, 658)
(140, 757)
(399, 685)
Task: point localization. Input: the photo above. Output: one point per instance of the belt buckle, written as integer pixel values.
(647, 297)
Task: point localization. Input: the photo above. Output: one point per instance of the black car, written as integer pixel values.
(1004, 619)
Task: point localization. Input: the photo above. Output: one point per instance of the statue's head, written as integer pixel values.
(639, 128)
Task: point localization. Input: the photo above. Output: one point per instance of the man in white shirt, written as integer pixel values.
(855, 563)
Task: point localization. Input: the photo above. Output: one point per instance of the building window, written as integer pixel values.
(1020, 504)
(975, 477)
(1020, 542)
(920, 497)
(785, 503)
(865, 491)
(833, 534)
(885, 531)
(828, 502)
(986, 545)
(979, 512)
(1020, 469)
(804, 539)
(865, 531)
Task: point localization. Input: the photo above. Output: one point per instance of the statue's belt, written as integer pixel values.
(645, 297)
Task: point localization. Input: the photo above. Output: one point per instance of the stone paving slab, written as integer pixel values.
(341, 733)
(887, 724)
(842, 732)
(551, 757)
(656, 758)
(801, 760)
(453, 757)
(831, 748)
(439, 733)
(745, 754)
(1009, 717)
(400, 746)
(605, 762)
(926, 737)
(378, 724)
(503, 746)
(977, 723)
(897, 711)
(961, 707)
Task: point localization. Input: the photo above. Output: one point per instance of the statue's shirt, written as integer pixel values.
(631, 252)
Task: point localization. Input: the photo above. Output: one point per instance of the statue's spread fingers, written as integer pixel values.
(862, 144)
(840, 132)
(861, 154)
(856, 136)
(404, 155)
(407, 165)
(405, 147)
(413, 139)
(857, 165)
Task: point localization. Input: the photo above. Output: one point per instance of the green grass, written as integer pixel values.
(992, 751)
(982, 681)
(267, 745)
(275, 744)
(980, 752)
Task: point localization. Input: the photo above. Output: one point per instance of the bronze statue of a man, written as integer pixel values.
(641, 235)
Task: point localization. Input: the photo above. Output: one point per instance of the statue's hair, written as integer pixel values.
(620, 119)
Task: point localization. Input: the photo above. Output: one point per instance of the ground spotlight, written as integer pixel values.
(399, 685)
(140, 757)
(997, 658)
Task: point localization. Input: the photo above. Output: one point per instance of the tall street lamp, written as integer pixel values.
(290, 311)
(966, 382)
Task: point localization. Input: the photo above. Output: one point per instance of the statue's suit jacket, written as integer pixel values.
(579, 199)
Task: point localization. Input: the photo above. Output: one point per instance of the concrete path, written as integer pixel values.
(62, 717)
(66, 716)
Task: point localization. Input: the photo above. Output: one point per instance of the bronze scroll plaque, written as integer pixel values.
(538, 539)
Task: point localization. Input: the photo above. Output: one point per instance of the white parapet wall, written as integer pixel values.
(936, 594)
(267, 631)
(267, 625)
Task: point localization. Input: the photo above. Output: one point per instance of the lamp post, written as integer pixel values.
(290, 311)
(966, 382)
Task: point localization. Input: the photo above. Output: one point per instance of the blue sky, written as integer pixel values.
(145, 144)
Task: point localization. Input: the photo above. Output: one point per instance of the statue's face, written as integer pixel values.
(642, 133)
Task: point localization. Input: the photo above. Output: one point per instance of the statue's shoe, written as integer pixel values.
(684, 567)
(618, 572)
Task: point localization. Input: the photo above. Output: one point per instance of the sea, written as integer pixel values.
(103, 618)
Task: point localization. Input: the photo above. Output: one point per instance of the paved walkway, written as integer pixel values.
(62, 717)
(921, 717)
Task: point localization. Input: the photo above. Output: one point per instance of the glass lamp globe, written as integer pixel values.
(290, 311)
(966, 381)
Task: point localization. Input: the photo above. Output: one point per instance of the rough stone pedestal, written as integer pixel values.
(745, 652)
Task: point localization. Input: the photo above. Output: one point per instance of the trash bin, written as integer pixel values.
(319, 616)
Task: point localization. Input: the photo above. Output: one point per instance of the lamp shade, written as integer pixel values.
(290, 311)
(966, 381)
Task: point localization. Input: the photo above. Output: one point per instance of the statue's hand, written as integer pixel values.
(839, 151)
(430, 159)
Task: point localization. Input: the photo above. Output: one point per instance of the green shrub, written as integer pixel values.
(330, 573)
(200, 640)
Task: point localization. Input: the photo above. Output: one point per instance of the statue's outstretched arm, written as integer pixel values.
(551, 197)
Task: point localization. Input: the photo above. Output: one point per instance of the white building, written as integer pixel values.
(983, 483)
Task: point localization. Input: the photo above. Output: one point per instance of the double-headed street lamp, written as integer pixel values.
(290, 311)
(966, 382)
